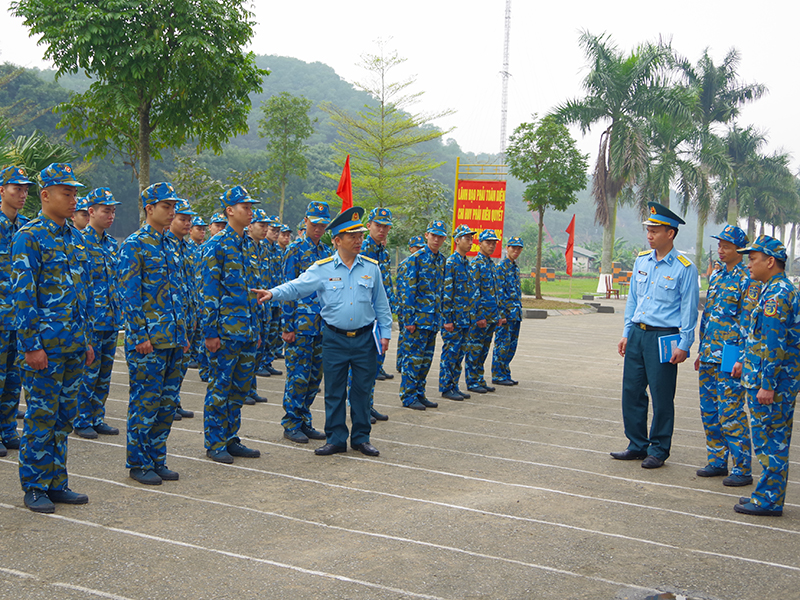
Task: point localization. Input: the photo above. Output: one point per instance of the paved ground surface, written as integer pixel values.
(507, 495)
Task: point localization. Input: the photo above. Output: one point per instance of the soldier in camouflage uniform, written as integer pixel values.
(510, 302)
(14, 184)
(176, 236)
(284, 239)
(301, 325)
(231, 327)
(458, 308)
(257, 230)
(415, 244)
(488, 315)
(771, 374)
(80, 218)
(197, 237)
(731, 298)
(155, 335)
(217, 224)
(273, 276)
(374, 246)
(419, 297)
(54, 302)
(102, 250)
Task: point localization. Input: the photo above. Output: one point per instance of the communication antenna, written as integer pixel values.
(505, 75)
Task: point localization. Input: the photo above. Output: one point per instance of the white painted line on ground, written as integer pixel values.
(69, 586)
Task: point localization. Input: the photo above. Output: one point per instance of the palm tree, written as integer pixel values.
(742, 146)
(621, 92)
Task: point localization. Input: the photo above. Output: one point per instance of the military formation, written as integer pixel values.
(231, 297)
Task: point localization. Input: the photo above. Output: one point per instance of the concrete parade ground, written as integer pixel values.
(505, 495)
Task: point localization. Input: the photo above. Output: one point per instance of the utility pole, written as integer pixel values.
(505, 75)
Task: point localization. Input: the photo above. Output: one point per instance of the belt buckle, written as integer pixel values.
(642, 326)
(351, 334)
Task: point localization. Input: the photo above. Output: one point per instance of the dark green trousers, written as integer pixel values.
(643, 370)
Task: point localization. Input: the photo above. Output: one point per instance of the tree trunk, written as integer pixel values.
(608, 237)
(144, 154)
(698, 245)
(539, 255)
(283, 198)
(733, 211)
(751, 228)
(792, 247)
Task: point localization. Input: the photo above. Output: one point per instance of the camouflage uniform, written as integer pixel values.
(458, 308)
(374, 250)
(102, 250)
(772, 362)
(304, 355)
(231, 312)
(419, 297)
(730, 299)
(415, 242)
(152, 307)
(484, 275)
(510, 305)
(273, 277)
(53, 301)
(10, 385)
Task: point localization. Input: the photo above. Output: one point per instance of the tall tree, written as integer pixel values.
(383, 139)
(621, 92)
(165, 72)
(743, 147)
(543, 155)
(285, 125)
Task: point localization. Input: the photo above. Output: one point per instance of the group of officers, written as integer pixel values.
(229, 305)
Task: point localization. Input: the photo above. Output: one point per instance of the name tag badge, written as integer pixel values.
(334, 279)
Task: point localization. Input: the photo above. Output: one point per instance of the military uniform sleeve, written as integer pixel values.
(630, 305)
(27, 262)
(448, 292)
(213, 261)
(291, 270)
(383, 311)
(130, 264)
(690, 298)
(774, 329)
(406, 290)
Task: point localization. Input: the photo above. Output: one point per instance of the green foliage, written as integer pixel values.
(428, 200)
(286, 125)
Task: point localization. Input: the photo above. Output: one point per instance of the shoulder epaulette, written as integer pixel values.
(684, 261)
(645, 252)
(322, 261)
(372, 260)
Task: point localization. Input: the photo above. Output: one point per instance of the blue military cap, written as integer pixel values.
(380, 215)
(273, 221)
(463, 230)
(183, 208)
(347, 222)
(260, 216)
(488, 235)
(236, 195)
(734, 235)
(158, 192)
(14, 174)
(416, 242)
(515, 241)
(319, 212)
(219, 218)
(59, 174)
(437, 228)
(101, 196)
(661, 215)
(82, 204)
(301, 226)
(198, 222)
(768, 245)
(285, 229)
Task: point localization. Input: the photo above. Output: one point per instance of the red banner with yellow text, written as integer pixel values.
(481, 205)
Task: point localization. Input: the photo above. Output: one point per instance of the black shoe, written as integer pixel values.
(312, 433)
(221, 456)
(463, 394)
(366, 448)
(415, 405)
(629, 455)
(428, 404)
(38, 502)
(513, 381)
(379, 416)
(477, 389)
(380, 377)
(257, 399)
(106, 429)
(250, 401)
(242, 451)
(3, 450)
(372, 420)
(489, 388)
(387, 375)
(712, 471)
(186, 414)
(279, 356)
(204, 378)
(744, 499)
(166, 474)
(263, 373)
(452, 396)
(329, 449)
(738, 480)
(177, 417)
(273, 371)
(193, 364)
(506, 382)
(296, 436)
(87, 433)
(67, 496)
(751, 509)
(147, 477)
(12, 443)
(652, 462)
(20, 414)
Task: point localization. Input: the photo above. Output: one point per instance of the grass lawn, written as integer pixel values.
(561, 288)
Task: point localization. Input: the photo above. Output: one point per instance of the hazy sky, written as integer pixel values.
(455, 50)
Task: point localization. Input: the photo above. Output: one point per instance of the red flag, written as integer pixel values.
(570, 245)
(345, 189)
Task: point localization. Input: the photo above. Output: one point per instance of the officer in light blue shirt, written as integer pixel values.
(663, 301)
(350, 289)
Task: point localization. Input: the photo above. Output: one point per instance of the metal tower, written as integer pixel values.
(505, 74)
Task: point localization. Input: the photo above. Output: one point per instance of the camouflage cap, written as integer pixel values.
(515, 241)
(59, 174)
(100, 196)
(157, 192)
(380, 215)
(199, 222)
(219, 218)
(437, 228)
(260, 216)
(236, 195)
(488, 235)
(463, 230)
(183, 208)
(733, 234)
(416, 242)
(768, 245)
(14, 174)
(318, 212)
